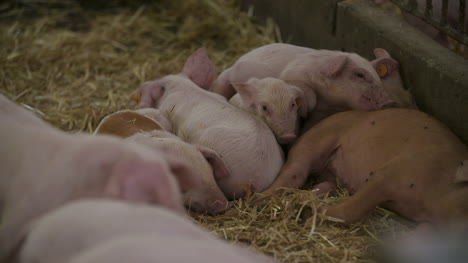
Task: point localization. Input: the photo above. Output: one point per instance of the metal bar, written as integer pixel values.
(441, 23)
(461, 16)
(428, 12)
(443, 20)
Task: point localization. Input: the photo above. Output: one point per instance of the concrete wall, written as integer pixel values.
(437, 77)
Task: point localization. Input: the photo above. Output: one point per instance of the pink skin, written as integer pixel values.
(245, 143)
(167, 249)
(391, 81)
(144, 127)
(275, 102)
(337, 80)
(205, 164)
(400, 158)
(112, 231)
(42, 168)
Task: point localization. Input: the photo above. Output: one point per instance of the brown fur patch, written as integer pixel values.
(126, 123)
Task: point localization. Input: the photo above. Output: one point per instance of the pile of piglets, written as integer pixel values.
(85, 198)
(201, 142)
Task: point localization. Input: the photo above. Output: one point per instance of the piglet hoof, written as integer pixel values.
(333, 214)
(324, 188)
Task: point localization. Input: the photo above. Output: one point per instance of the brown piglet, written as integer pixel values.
(402, 159)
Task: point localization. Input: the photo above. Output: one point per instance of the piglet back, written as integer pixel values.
(126, 123)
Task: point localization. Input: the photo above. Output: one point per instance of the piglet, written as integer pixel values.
(336, 80)
(245, 143)
(388, 70)
(275, 102)
(167, 249)
(42, 168)
(402, 159)
(206, 164)
(114, 231)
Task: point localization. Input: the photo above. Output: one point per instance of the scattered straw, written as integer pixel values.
(73, 66)
(287, 226)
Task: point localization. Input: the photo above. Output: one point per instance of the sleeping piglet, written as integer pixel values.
(388, 70)
(275, 102)
(167, 249)
(245, 143)
(114, 231)
(402, 159)
(42, 168)
(336, 80)
(205, 163)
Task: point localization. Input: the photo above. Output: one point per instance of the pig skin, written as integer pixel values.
(245, 143)
(143, 127)
(116, 231)
(402, 159)
(275, 102)
(335, 80)
(42, 168)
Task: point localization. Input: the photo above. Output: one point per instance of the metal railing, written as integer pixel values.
(448, 16)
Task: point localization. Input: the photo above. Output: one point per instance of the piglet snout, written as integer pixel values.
(287, 138)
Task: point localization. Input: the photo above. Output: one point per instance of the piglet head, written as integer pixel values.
(387, 69)
(352, 83)
(150, 93)
(207, 197)
(276, 103)
(151, 181)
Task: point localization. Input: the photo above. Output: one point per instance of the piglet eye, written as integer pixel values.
(293, 105)
(359, 75)
(264, 107)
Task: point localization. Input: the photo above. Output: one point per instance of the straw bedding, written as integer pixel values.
(72, 65)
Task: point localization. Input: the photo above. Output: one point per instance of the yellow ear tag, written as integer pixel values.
(382, 70)
(136, 98)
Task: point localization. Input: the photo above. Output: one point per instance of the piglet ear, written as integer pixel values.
(137, 180)
(381, 53)
(461, 174)
(219, 167)
(200, 69)
(150, 92)
(183, 173)
(246, 91)
(301, 102)
(333, 67)
(384, 64)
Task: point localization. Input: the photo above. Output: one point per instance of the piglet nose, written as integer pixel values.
(287, 138)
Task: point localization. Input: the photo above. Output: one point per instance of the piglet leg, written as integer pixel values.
(361, 203)
(306, 156)
(324, 188)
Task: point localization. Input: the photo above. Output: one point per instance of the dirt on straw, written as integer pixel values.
(72, 65)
